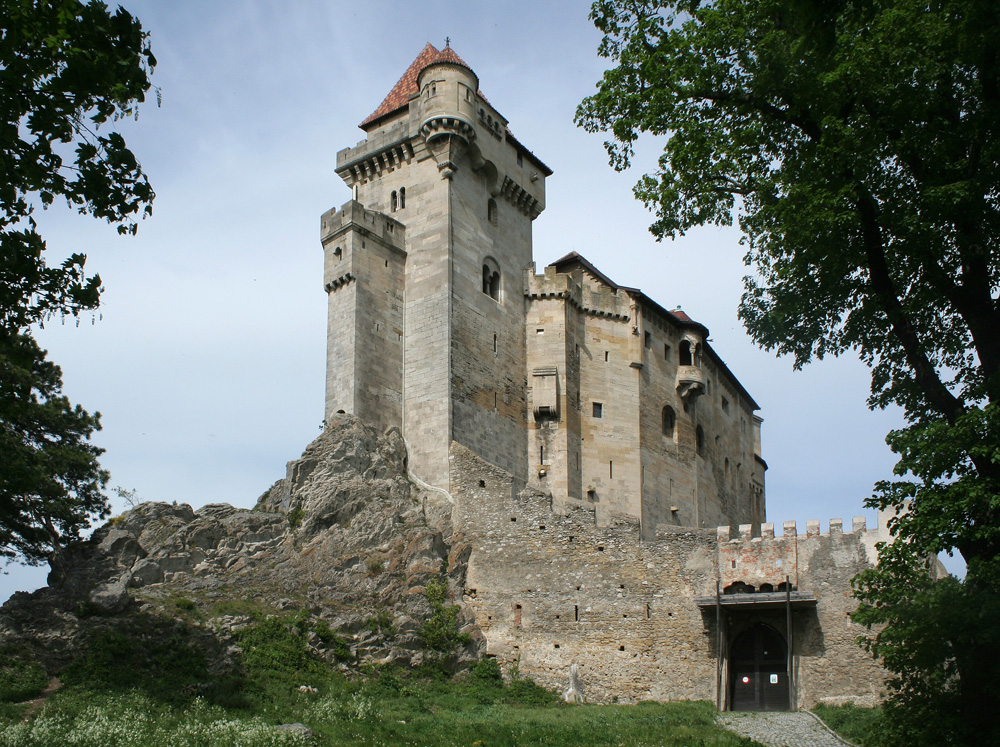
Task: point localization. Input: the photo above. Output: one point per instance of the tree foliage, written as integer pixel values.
(855, 143)
(68, 71)
(50, 482)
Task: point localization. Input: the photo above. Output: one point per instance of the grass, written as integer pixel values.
(862, 726)
(151, 684)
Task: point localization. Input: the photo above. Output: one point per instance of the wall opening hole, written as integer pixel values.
(513, 518)
(482, 483)
(576, 611)
(541, 526)
(557, 645)
(600, 548)
(621, 648)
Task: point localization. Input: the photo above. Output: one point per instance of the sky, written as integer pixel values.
(206, 359)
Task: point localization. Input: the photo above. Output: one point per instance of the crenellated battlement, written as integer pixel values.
(355, 216)
(765, 531)
(599, 302)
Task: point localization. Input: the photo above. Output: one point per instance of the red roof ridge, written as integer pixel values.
(406, 86)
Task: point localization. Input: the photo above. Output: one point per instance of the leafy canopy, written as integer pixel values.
(855, 143)
(66, 69)
(67, 72)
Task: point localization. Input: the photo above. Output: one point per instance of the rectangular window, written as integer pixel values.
(666, 352)
(725, 405)
(540, 331)
(598, 410)
(605, 355)
(648, 339)
(520, 159)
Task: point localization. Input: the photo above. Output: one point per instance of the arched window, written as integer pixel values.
(699, 436)
(393, 202)
(491, 211)
(669, 421)
(685, 354)
(491, 279)
(402, 197)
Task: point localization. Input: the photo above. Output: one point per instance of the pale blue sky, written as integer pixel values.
(208, 362)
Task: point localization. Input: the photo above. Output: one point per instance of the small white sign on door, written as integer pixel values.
(774, 679)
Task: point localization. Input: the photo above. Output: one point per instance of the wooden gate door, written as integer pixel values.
(758, 679)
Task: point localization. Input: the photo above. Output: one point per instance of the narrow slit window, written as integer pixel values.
(402, 197)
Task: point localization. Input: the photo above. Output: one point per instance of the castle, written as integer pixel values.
(591, 440)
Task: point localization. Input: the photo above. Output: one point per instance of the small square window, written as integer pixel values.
(520, 159)
(725, 405)
(598, 410)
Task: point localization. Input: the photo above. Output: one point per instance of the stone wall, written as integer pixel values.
(364, 262)
(550, 588)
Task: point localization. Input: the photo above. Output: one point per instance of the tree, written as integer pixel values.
(67, 70)
(855, 142)
(50, 482)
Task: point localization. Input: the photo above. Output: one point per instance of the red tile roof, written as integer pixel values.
(400, 94)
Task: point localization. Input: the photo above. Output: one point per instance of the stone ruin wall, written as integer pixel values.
(549, 589)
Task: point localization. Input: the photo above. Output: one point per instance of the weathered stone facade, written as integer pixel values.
(590, 439)
(439, 325)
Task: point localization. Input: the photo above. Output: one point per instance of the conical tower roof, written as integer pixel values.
(406, 87)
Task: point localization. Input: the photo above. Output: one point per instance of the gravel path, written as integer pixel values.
(781, 729)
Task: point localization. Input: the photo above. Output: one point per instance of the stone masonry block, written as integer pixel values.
(746, 531)
(836, 526)
(788, 529)
(858, 524)
(767, 531)
(812, 528)
(723, 534)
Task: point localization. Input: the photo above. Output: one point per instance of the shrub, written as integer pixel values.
(152, 654)
(486, 671)
(20, 680)
(381, 622)
(439, 633)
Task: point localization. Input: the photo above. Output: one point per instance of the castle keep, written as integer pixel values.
(591, 440)
(440, 325)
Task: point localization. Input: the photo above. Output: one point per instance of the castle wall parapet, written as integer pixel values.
(553, 284)
(550, 588)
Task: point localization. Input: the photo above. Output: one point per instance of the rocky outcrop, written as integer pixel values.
(345, 538)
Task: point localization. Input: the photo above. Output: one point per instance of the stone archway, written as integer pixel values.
(758, 675)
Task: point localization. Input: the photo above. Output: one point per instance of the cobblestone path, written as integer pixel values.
(781, 729)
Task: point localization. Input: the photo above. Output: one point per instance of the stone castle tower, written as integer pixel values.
(441, 191)
(567, 381)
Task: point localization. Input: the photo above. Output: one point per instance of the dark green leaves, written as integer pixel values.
(67, 71)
